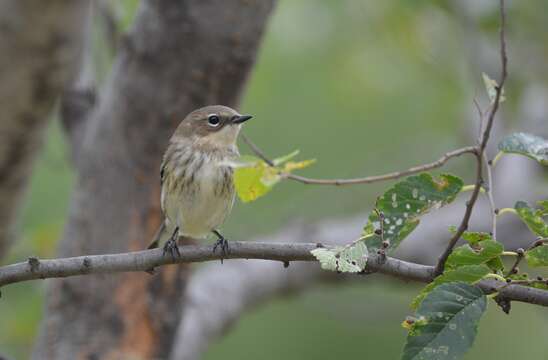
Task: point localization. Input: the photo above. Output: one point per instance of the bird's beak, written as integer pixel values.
(241, 118)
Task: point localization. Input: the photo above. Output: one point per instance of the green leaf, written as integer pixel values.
(451, 312)
(253, 181)
(403, 204)
(297, 165)
(280, 160)
(533, 218)
(253, 177)
(479, 253)
(473, 237)
(537, 256)
(466, 273)
(543, 207)
(351, 258)
(495, 264)
(491, 88)
(528, 145)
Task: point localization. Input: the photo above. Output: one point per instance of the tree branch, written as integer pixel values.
(283, 252)
(390, 176)
(145, 260)
(369, 179)
(481, 148)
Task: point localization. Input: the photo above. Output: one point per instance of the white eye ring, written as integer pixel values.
(213, 120)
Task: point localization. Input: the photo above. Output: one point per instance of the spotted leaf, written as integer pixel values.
(533, 218)
(351, 258)
(402, 205)
(466, 273)
(449, 320)
(528, 145)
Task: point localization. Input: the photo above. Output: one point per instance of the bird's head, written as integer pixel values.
(215, 125)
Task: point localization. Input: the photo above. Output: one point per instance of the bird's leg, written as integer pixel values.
(222, 242)
(171, 245)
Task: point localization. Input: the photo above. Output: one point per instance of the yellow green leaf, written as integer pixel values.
(280, 160)
(491, 88)
(292, 165)
(248, 183)
(253, 177)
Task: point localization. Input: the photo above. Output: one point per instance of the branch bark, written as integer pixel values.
(40, 46)
(179, 55)
(284, 252)
(147, 260)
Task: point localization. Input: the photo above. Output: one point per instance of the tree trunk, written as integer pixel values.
(179, 55)
(40, 46)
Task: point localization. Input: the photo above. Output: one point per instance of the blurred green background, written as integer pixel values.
(365, 87)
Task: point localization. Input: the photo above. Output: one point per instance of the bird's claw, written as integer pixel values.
(222, 243)
(172, 248)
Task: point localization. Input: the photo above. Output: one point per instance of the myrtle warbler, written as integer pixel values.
(196, 177)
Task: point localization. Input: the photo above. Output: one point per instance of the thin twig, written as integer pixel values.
(521, 254)
(256, 150)
(481, 148)
(490, 196)
(369, 179)
(148, 259)
(489, 188)
(532, 282)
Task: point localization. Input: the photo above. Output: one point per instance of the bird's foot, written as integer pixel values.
(221, 243)
(171, 245)
(172, 248)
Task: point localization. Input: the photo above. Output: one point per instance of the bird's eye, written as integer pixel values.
(213, 120)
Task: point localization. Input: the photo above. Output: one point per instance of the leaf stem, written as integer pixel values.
(491, 198)
(507, 211)
(509, 253)
(496, 159)
(471, 187)
(495, 276)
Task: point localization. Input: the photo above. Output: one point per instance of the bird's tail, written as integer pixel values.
(156, 240)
